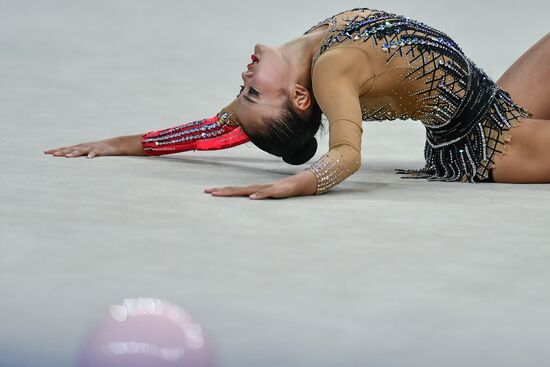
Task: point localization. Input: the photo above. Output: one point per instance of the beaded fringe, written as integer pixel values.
(462, 160)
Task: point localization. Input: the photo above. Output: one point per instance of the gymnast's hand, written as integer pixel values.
(122, 145)
(302, 184)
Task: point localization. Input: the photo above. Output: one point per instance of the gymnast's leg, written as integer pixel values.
(527, 156)
(528, 80)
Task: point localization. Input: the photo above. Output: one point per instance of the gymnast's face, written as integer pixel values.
(263, 92)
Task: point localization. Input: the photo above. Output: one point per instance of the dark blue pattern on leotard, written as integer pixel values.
(468, 113)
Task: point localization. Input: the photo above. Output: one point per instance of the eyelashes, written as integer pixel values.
(251, 91)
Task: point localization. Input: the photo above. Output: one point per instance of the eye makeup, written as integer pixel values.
(251, 92)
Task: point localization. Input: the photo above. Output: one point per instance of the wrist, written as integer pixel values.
(308, 183)
(128, 145)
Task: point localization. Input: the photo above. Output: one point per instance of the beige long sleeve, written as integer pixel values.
(336, 86)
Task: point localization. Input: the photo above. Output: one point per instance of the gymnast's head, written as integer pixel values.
(276, 107)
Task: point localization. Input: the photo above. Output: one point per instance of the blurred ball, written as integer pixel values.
(146, 332)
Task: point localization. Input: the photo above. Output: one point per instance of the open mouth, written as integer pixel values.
(255, 60)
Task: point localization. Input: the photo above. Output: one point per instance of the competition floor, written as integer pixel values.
(100, 257)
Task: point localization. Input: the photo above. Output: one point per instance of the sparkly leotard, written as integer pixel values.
(373, 65)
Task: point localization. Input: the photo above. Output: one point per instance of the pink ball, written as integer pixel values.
(146, 332)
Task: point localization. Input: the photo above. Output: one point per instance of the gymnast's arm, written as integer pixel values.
(218, 132)
(336, 88)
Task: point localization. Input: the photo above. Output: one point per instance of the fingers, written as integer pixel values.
(76, 153)
(56, 150)
(53, 151)
(279, 190)
(255, 192)
(73, 151)
(270, 192)
(60, 151)
(263, 194)
(49, 151)
(217, 189)
(235, 191)
(232, 191)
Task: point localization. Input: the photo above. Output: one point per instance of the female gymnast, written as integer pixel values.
(365, 65)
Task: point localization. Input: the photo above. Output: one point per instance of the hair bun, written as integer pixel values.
(303, 154)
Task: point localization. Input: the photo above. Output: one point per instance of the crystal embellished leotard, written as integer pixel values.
(415, 72)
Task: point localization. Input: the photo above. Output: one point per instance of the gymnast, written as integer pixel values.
(370, 65)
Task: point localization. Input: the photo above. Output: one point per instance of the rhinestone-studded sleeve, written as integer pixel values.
(341, 161)
(218, 132)
(336, 91)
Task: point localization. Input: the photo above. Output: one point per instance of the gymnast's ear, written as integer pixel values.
(301, 98)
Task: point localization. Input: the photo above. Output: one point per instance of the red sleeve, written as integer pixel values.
(218, 132)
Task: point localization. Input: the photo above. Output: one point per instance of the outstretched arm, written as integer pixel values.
(218, 132)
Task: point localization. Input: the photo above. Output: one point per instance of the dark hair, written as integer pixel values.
(290, 135)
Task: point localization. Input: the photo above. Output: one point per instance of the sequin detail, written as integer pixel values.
(466, 115)
(217, 132)
(330, 171)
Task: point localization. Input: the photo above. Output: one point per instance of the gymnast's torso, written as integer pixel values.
(392, 84)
